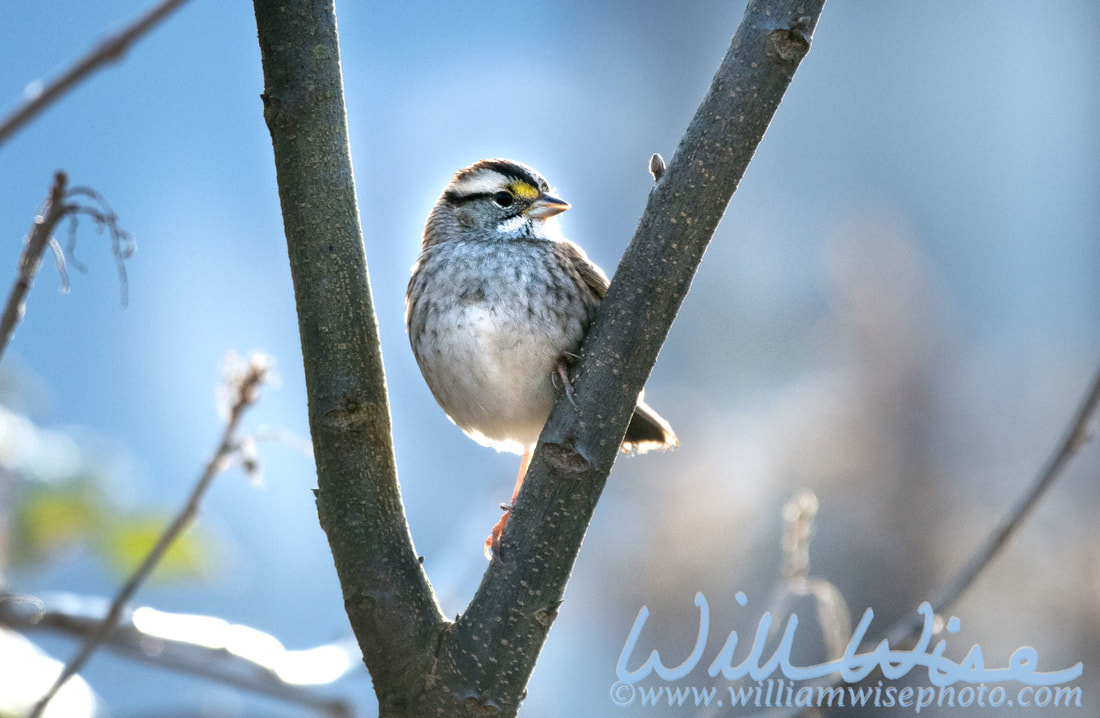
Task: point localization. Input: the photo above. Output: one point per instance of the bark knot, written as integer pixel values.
(565, 457)
(789, 45)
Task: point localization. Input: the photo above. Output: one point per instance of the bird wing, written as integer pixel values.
(648, 429)
(589, 273)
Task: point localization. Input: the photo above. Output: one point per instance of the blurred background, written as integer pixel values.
(899, 313)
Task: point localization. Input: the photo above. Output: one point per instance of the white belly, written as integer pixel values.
(488, 330)
(493, 376)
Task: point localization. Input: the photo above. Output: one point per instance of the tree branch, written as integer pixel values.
(82, 616)
(109, 50)
(245, 389)
(57, 207)
(32, 256)
(489, 655)
(1076, 436)
(386, 593)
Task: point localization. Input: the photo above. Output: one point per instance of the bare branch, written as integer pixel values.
(245, 388)
(32, 256)
(389, 601)
(58, 206)
(833, 617)
(122, 242)
(59, 261)
(1076, 436)
(81, 616)
(109, 50)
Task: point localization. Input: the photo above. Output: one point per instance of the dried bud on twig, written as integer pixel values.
(657, 166)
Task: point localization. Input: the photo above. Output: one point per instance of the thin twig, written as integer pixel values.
(58, 205)
(122, 242)
(81, 616)
(109, 50)
(246, 391)
(1076, 436)
(32, 256)
(833, 616)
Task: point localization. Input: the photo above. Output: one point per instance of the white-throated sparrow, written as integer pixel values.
(497, 302)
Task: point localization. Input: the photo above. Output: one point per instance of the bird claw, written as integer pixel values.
(562, 372)
(569, 395)
(492, 544)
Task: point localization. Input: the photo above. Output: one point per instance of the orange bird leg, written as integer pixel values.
(492, 544)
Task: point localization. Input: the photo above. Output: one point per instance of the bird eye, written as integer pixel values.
(504, 199)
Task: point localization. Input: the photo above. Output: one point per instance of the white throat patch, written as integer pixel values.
(513, 225)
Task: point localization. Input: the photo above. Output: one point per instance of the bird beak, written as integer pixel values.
(546, 206)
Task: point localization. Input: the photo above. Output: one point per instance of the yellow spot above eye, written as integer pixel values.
(523, 190)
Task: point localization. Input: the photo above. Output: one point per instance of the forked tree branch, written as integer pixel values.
(422, 664)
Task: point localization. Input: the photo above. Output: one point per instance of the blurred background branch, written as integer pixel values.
(62, 202)
(203, 646)
(243, 381)
(830, 609)
(109, 50)
(29, 261)
(1077, 434)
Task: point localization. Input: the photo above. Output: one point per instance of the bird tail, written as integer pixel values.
(648, 431)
